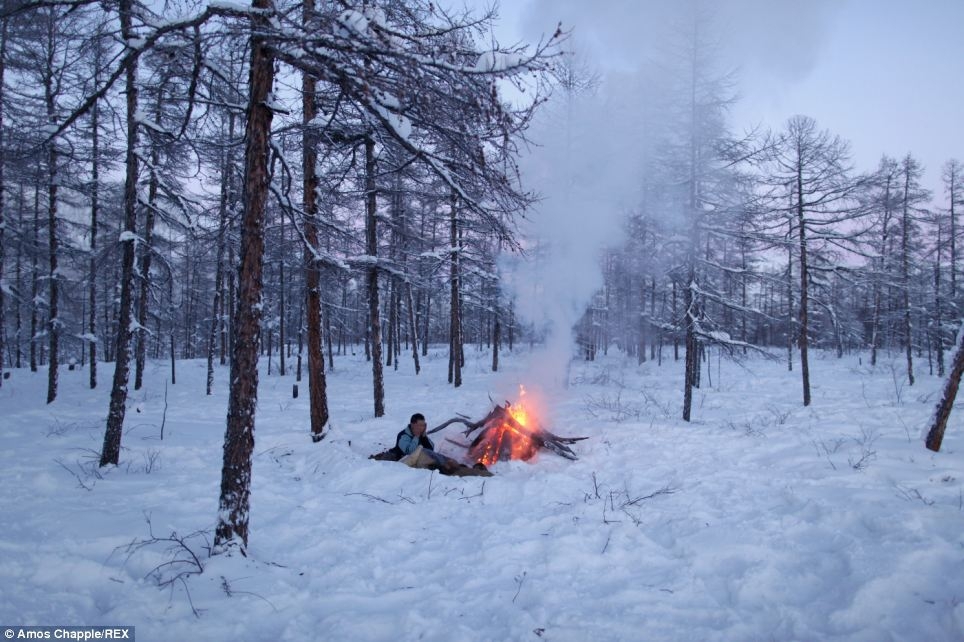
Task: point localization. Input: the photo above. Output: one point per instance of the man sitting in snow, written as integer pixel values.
(414, 448)
(408, 441)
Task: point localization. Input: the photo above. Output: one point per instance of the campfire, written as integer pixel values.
(510, 432)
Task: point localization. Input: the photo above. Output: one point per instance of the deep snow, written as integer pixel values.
(761, 520)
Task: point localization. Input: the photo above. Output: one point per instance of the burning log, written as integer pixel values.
(508, 432)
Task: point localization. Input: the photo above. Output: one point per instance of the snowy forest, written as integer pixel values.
(211, 199)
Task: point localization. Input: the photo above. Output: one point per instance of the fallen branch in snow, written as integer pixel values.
(665, 490)
(627, 502)
(372, 497)
(183, 562)
(520, 580)
(80, 482)
(911, 494)
(230, 592)
(164, 416)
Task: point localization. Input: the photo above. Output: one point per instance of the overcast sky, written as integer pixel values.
(887, 75)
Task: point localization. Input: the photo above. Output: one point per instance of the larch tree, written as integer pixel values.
(699, 151)
(232, 527)
(317, 386)
(952, 175)
(883, 204)
(912, 197)
(813, 166)
(110, 452)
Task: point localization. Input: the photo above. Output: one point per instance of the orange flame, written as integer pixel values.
(506, 441)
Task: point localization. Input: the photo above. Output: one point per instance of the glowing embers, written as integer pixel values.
(507, 436)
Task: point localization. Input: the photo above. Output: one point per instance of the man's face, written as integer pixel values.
(418, 427)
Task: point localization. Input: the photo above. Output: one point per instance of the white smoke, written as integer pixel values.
(588, 167)
(586, 173)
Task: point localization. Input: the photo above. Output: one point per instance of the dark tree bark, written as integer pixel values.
(3, 189)
(282, 303)
(326, 318)
(317, 386)
(390, 339)
(905, 224)
(952, 183)
(371, 247)
(18, 313)
(935, 434)
(456, 356)
(803, 341)
(224, 204)
(53, 157)
(690, 355)
(94, 212)
(232, 526)
(35, 270)
(496, 340)
(938, 311)
(110, 452)
(413, 328)
(226, 199)
(147, 249)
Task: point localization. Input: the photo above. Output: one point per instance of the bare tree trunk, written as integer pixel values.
(218, 305)
(147, 249)
(935, 435)
(426, 333)
(398, 323)
(882, 268)
(496, 340)
(371, 245)
(19, 279)
(282, 308)
(390, 342)
(690, 375)
(35, 271)
(643, 324)
(952, 188)
(172, 330)
(511, 323)
(905, 280)
(413, 328)
(3, 189)
(690, 356)
(743, 297)
(326, 316)
(804, 293)
(426, 321)
(232, 302)
(53, 322)
(94, 211)
(675, 333)
(232, 526)
(938, 321)
(455, 326)
(110, 453)
(789, 303)
(875, 325)
(317, 385)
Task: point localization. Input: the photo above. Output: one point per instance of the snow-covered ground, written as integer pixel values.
(761, 520)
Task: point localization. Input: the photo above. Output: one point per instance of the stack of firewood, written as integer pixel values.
(502, 437)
